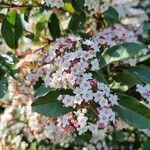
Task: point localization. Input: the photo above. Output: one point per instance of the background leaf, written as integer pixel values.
(42, 91)
(123, 81)
(120, 52)
(141, 72)
(12, 29)
(48, 105)
(53, 25)
(77, 22)
(132, 117)
(134, 105)
(111, 16)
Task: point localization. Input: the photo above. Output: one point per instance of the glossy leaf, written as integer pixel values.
(141, 72)
(42, 91)
(134, 105)
(78, 5)
(124, 81)
(12, 29)
(111, 16)
(120, 52)
(53, 25)
(48, 105)
(132, 117)
(77, 22)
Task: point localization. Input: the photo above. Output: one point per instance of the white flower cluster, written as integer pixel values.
(145, 92)
(55, 3)
(68, 62)
(114, 35)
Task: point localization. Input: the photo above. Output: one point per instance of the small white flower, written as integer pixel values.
(85, 85)
(87, 76)
(103, 101)
(68, 101)
(95, 64)
(78, 99)
(113, 99)
(87, 95)
(97, 96)
(82, 119)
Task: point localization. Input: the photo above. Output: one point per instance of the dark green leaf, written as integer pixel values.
(42, 91)
(141, 72)
(111, 16)
(77, 22)
(134, 105)
(48, 105)
(53, 25)
(78, 5)
(132, 117)
(120, 52)
(12, 29)
(124, 81)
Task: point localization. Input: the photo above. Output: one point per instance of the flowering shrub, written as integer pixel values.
(74, 74)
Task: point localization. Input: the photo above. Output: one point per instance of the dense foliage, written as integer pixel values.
(75, 74)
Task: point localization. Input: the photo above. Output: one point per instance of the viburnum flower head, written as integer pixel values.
(69, 63)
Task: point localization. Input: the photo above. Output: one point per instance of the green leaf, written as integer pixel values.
(78, 5)
(132, 117)
(68, 7)
(3, 87)
(120, 52)
(134, 105)
(40, 26)
(141, 72)
(48, 105)
(77, 22)
(124, 81)
(42, 91)
(111, 16)
(53, 25)
(12, 29)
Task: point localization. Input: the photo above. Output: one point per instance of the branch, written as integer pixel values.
(7, 5)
